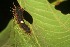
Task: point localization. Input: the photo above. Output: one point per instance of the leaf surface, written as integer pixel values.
(50, 27)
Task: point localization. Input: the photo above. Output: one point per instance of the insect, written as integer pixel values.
(18, 15)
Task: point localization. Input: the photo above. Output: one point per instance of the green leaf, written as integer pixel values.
(7, 36)
(50, 27)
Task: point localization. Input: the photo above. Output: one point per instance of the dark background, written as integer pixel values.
(6, 15)
(64, 7)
